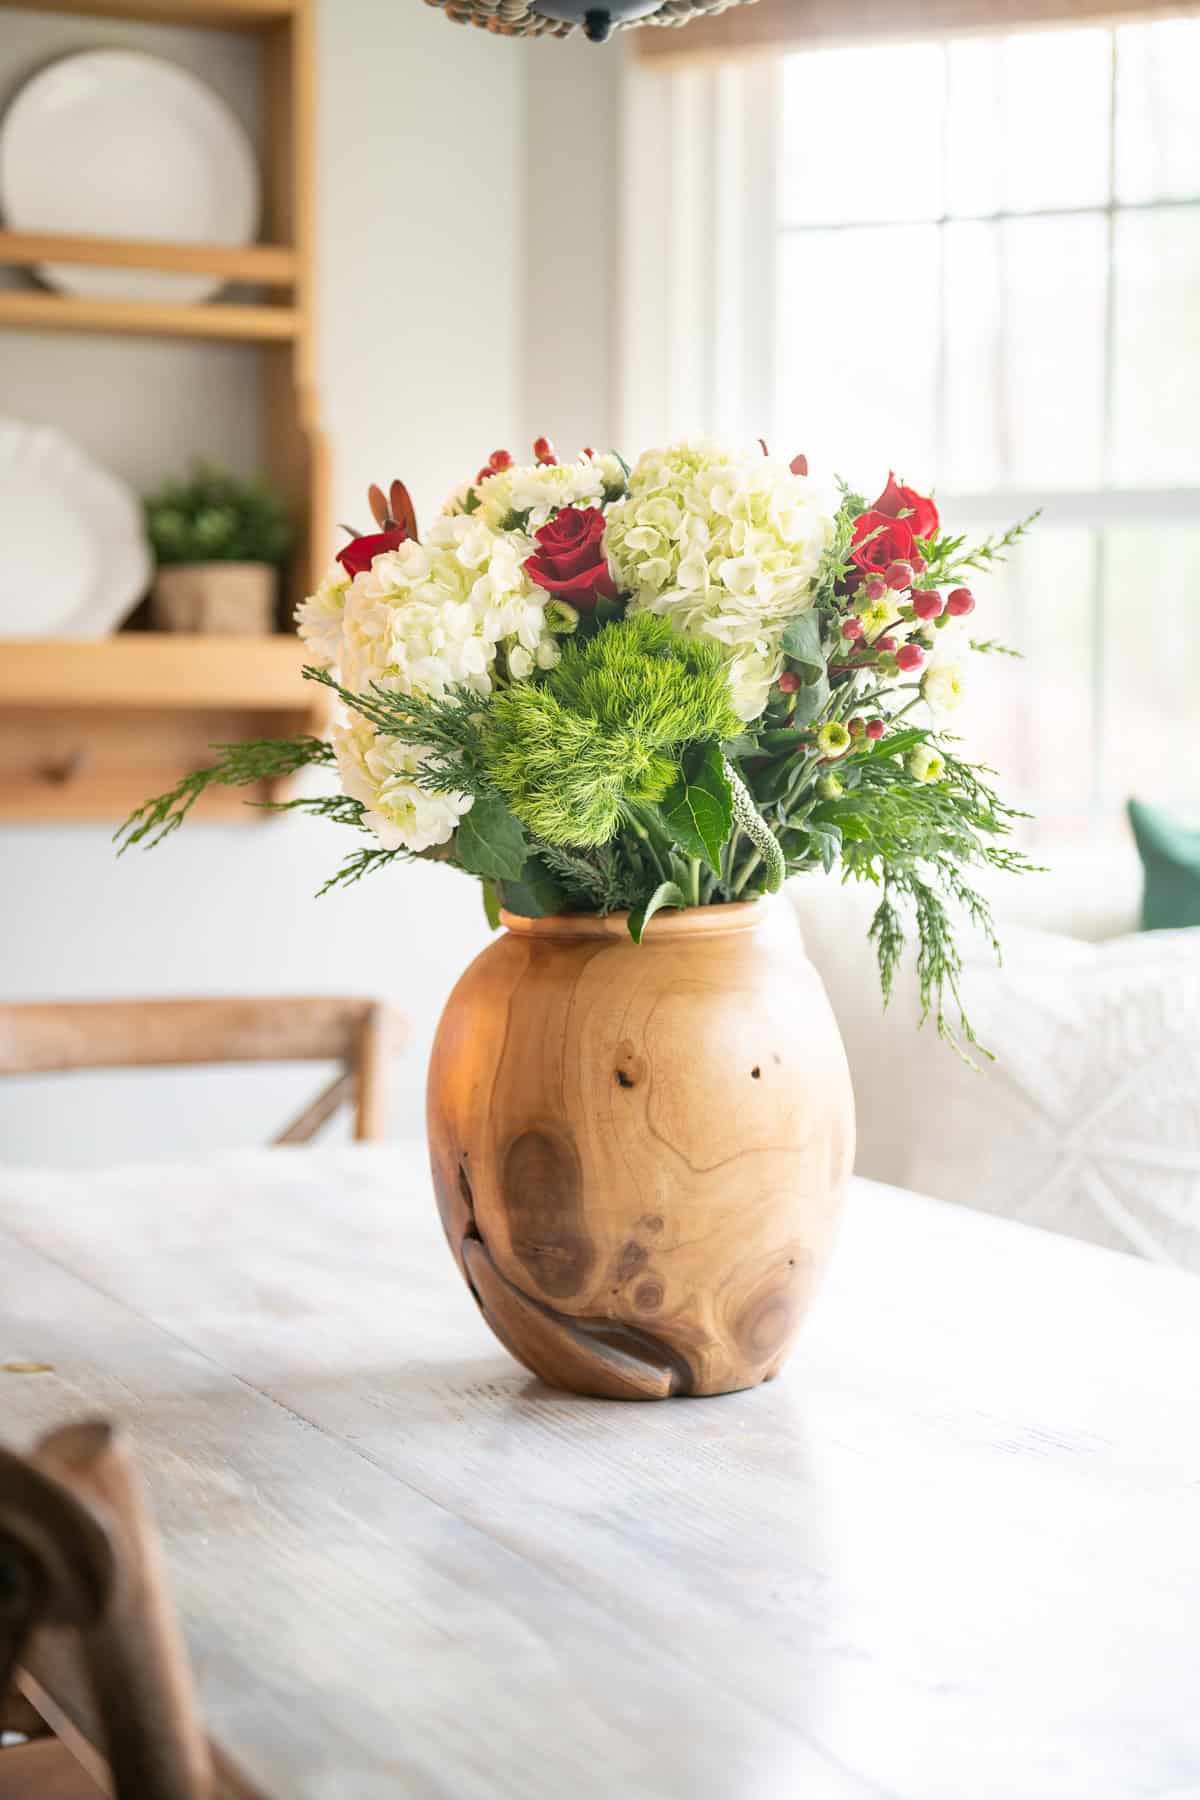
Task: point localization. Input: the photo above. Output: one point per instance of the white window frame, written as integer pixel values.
(701, 237)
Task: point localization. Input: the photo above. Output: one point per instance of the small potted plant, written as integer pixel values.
(218, 543)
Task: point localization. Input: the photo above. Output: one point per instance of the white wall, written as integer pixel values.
(467, 224)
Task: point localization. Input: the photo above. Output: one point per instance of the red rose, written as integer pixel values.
(361, 552)
(894, 542)
(570, 559)
(922, 517)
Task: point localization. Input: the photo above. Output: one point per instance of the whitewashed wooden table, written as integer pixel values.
(953, 1553)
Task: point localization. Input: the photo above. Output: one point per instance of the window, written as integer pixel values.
(984, 264)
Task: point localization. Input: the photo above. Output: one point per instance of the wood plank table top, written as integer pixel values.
(952, 1554)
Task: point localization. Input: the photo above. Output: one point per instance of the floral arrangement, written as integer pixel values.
(214, 517)
(601, 688)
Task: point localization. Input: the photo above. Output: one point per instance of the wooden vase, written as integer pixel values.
(640, 1152)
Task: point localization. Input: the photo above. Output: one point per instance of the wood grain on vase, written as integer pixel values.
(640, 1151)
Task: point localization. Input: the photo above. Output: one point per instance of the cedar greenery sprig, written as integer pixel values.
(238, 765)
(449, 726)
(948, 557)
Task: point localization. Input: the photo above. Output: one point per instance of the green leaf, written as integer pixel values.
(490, 841)
(534, 895)
(811, 701)
(698, 808)
(802, 644)
(898, 744)
(825, 841)
(665, 894)
(491, 904)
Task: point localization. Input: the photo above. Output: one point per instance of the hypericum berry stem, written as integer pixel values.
(960, 603)
(927, 603)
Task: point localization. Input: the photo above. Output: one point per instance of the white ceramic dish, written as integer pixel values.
(115, 143)
(75, 560)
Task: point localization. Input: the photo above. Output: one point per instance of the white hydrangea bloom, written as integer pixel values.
(379, 771)
(431, 616)
(424, 618)
(726, 544)
(319, 618)
(540, 489)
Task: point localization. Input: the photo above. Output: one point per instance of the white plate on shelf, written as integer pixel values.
(116, 143)
(74, 560)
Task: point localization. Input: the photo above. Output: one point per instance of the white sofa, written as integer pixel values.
(1088, 1120)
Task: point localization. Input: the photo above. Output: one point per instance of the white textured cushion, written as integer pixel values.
(1088, 1122)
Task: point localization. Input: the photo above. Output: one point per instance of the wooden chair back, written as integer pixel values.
(360, 1035)
(93, 1669)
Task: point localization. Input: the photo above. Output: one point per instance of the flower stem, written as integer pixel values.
(694, 879)
(752, 863)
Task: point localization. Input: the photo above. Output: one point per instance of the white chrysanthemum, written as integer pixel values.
(424, 618)
(380, 772)
(319, 618)
(539, 490)
(926, 764)
(725, 544)
(942, 686)
(456, 501)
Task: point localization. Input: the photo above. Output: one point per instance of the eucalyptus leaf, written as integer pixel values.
(802, 644)
(665, 894)
(490, 841)
(698, 808)
(811, 701)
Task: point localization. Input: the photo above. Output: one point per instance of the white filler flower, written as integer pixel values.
(725, 544)
(534, 493)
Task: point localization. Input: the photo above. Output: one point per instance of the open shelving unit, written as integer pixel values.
(88, 729)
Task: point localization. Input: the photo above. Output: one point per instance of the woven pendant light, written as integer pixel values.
(558, 18)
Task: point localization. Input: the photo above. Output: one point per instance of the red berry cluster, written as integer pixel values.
(543, 452)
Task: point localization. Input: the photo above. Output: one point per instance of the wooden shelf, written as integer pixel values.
(157, 668)
(228, 15)
(148, 318)
(273, 265)
(90, 729)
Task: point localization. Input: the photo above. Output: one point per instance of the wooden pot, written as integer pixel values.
(215, 597)
(639, 1152)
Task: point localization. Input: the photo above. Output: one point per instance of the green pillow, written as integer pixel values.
(1170, 855)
